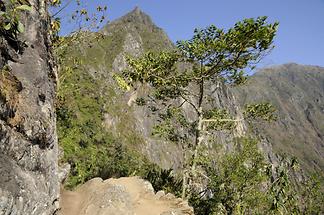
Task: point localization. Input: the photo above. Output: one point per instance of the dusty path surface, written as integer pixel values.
(123, 196)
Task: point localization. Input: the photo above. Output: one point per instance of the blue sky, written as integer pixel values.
(300, 37)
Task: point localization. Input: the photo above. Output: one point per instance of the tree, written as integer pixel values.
(212, 56)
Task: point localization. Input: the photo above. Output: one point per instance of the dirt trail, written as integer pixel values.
(123, 196)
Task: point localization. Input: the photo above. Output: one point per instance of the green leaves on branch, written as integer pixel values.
(10, 18)
(80, 14)
(54, 3)
(264, 111)
(173, 126)
(235, 182)
(282, 191)
(164, 180)
(156, 69)
(55, 28)
(237, 77)
(121, 82)
(140, 101)
(24, 8)
(159, 71)
(152, 67)
(243, 182)
(87, 19)
(216, 54)
(226, 53)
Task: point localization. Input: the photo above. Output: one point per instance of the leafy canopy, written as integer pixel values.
(219, 53)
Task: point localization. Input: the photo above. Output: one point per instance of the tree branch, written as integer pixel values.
(60, 10)
(190, 103)
(223, 120)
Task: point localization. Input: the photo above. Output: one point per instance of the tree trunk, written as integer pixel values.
(199, 141)
(191, 174)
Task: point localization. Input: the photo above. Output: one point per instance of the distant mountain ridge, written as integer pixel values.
(297, 91)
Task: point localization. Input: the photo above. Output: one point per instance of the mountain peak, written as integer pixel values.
(140, 25)
(136, 10)
(138, 16)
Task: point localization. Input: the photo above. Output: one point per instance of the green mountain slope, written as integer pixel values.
(298, 93)
(96, 120)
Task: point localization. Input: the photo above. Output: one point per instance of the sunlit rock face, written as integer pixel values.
(28, 141)
(140, 35)
(134, 34)
(127, 196)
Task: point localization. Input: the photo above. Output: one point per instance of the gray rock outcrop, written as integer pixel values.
(28, 143)
(127, 196)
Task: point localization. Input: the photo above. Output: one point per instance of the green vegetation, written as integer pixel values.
(97, 129)
(10, 23)
(243, 182)
(240, 182)
(89, 146)
(234, 182)
(217, 56)
(94, 120)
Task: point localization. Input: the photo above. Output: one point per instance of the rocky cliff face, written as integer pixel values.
(116, 114)
(132, 34)
(297, 92)
(139, 32)
(142, 35)
(28, 141)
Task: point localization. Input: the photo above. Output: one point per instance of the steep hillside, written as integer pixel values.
(298, 93)
(97, 120)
